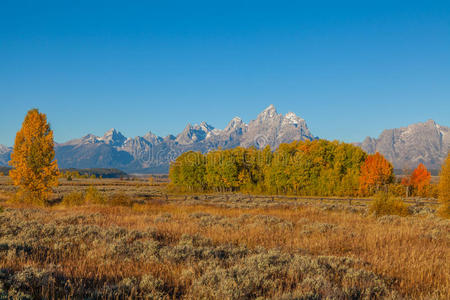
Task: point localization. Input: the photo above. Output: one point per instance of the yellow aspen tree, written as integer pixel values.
(35, 170)
(444, 188)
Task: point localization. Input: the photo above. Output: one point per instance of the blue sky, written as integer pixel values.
(351, 69)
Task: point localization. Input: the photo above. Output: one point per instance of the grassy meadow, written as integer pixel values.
(133, 239)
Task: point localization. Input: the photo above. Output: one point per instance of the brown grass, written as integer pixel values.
(408, 254)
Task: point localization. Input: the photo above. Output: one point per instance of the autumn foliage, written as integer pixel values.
(308, 168)
(376, 172)
(444, 188)
(35, 171)
(419, 181)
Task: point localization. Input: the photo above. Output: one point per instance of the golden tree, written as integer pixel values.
(35, 169)
(444, 188)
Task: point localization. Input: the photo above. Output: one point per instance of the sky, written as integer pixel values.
(349, 68)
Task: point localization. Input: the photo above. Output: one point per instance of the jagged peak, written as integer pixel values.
(113, 137)
(206, 127)
(235, 123)
(151, 137)
(431, 122)
(89, 139)
(113, 133)
(270, 111)
(293, 118)
(203, 126)
(150, 134)
(271, 107)
(112, 130)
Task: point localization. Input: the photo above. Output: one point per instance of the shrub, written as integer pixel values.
(385, 204)
(74, 199)
(120, 199)
(94, 196)
(152, 287)
(397, 190)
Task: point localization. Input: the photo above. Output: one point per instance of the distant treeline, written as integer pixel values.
(4, 170)
(95, 172)
(317, 167)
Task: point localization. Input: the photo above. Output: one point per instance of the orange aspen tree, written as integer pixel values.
(420, 180)
(35, 170)
(376, 172)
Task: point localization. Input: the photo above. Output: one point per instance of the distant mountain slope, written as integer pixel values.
(5, 155)
(406, 147)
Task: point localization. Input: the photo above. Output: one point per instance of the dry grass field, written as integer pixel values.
(217, 247)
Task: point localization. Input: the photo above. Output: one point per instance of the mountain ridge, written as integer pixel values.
(406, 147)
(152, 154)
(426, 142)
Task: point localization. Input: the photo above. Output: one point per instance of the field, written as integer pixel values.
(217, 246)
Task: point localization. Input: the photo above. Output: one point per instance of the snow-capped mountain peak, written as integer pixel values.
(269, 112)
(90, 139)
(292, 118)
(113, 137)
(235, 123)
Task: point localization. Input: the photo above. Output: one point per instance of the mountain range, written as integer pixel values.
(405, 147)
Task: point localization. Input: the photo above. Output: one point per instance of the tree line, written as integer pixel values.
(319, 167)
(305, 168)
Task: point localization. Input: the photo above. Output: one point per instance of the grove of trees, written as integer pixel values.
(319, 167)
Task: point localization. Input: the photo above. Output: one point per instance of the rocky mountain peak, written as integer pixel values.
(152, 138)
(406, 147)
(204, 127)
(271, 128)
(194, 133)
(235, 124)
(113, 137)
(90, 139)
(269, 112)
(292, 119)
